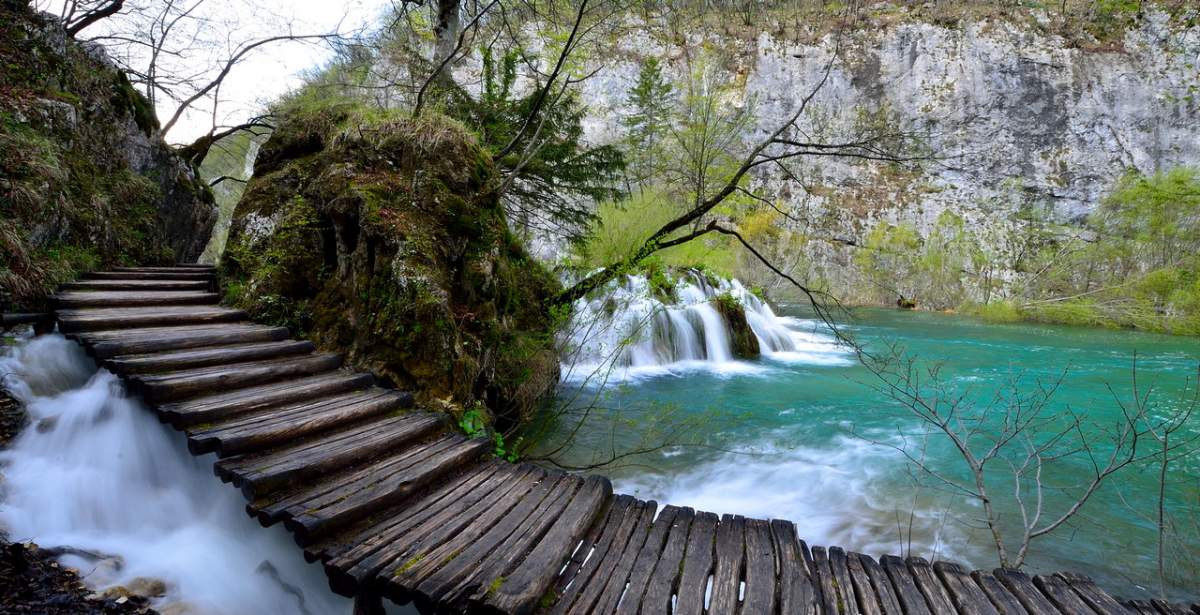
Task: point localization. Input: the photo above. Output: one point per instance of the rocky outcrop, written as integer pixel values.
(1019, 116)
(86, 180)
(380, 238)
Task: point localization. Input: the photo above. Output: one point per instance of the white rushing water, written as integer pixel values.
(632, 329)
(95, 472)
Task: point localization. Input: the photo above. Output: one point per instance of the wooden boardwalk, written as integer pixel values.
(395, 503)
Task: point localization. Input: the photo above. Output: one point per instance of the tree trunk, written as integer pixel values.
(449, 24)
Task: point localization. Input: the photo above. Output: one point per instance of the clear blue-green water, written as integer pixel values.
(810, 438)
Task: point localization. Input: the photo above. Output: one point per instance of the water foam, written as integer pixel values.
(94, 471)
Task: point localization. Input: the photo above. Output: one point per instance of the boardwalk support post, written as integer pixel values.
(368, 602)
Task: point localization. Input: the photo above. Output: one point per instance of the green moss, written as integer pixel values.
(128, 100)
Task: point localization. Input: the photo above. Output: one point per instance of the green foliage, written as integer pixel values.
(474, 424)
(650, 120)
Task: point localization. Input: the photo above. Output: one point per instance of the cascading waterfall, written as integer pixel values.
(631, 327)
(96, 473)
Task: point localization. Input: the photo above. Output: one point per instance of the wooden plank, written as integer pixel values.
(242, 401)
(207, 357)
(71, 321)
(935, 594)
(259, 473)
(1025, 591)
(1061, 595)
(276, 426)
(656, 600)
(966, 594)
(598, 534)
(426, 561)
(727, 574)
(381, 487)
(402, 545)
(182, 267)
(97, 299)
(162, 339)
(841, 576)
(797, 594)
(1141, 607)
(523, 585)
(907, 593)
(697, 564)
(1095, 597)
(1001, 597)
(174, 386)
(643, 566)
(832, 601)
(149, 275)
(889, 602)
(864, 591)
(760, 592)
(1169, 608)
(462, 573)
(137, 285)
(607, 567)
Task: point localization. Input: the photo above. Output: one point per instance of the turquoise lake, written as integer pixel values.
(808, 437)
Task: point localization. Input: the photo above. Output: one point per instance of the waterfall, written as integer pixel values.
(96, 473)
(632, 327)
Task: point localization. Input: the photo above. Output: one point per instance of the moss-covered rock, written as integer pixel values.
(85, 180)
(741, 337)
(379, 237)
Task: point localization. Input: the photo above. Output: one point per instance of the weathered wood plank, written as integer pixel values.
(243, 401)
(1001, 597)
(643, 566)
(162, 339)
(864, 591)
(607, 575)
(1169, 608)
(1142, 607)
(656, 600)
(137, 285)
(1061, 595)
(831, 599)
(935, 594)
(697, 564)
(257, 474)
(174, 386)
(72, 321)
(966, 594)
(841, 576)
(599, 534)
(760, 591)
(184, 267)
(523, 585)
(383, 487)
(293, 422)
(907, 592)
(149, 275)
(797, 593)
(1095, 597)
(889, 602)
(731, 559)
(206, 357)
(399, 546)
(1023, 588)
(100, 299)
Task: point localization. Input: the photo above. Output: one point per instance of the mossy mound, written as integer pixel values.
(85, 180)
(741, 337)
(379, 237)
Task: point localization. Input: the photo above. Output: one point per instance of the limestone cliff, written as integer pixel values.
(380, 237)
(86, 181)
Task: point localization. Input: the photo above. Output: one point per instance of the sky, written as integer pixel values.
(270, 71)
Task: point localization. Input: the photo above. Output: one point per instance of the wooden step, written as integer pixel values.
(81, 299)
(206, 357)
(259, 473)
(203, 276)
(114, 343)
(72, 321)
(343, 498)
(186, 268)
(273, 427)
(221, 406)
(174, 386)
(137, 285)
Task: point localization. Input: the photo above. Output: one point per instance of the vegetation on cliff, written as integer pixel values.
(84, 179)
(382, 236)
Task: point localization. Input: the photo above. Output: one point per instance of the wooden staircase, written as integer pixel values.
(395, 503)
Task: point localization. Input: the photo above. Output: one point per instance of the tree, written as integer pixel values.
(650, 99)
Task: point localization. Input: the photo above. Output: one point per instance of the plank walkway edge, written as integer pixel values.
(395, 503)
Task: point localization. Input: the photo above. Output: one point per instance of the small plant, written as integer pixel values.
(474, 424)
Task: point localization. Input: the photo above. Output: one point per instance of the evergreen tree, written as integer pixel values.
(650, 99)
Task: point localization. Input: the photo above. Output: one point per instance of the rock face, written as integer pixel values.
(87, 181)
(380, 238)
(1019, 116)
